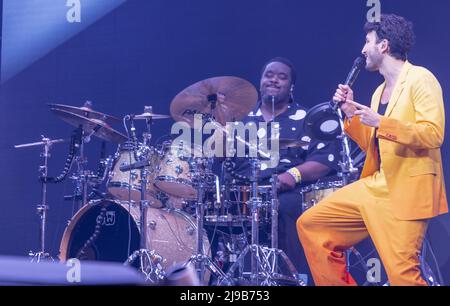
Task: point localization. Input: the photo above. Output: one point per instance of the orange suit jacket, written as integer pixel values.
(410, 136)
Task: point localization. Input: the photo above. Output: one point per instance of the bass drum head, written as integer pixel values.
(111, 240)
(171, 234)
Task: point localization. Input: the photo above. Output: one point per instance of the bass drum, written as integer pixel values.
(107, 230)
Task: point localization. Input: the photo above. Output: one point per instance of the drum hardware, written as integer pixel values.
(100, 176)
(42, 207)
(82, 177)
(264, 260)
(90, 123)
(201, 169)
(149, 261)
(124, 180)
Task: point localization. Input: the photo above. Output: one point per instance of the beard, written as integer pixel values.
(279, 97)
(373, 62)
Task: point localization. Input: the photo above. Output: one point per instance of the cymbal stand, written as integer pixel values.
(81, 176)
(149, 261)
(200, 259)
(346, 164)
(264, 260)
(43, 207)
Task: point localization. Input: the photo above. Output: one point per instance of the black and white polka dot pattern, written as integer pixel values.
(291, 126)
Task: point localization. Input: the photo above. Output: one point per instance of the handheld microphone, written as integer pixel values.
(358, 64)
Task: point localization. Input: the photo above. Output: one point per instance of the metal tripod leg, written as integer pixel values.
(265, 262)
(149, 264)
(268, 262)
(202, 262)
(149, 260)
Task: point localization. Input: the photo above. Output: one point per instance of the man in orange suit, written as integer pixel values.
(402, 183)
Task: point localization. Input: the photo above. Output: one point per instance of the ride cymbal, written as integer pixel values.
(226, 98)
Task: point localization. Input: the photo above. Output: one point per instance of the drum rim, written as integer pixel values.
(118, 184)
(320, 185)
(248, 188)
(178, 181)
(68, 231)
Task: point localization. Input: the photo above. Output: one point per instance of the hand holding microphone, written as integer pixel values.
(344, 92)
(342, 95)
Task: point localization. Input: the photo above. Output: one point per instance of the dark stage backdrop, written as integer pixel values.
(122, 55)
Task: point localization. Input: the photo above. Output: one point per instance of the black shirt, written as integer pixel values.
(381, 110)
(290, 126)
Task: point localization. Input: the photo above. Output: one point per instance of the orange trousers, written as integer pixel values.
(348, 216)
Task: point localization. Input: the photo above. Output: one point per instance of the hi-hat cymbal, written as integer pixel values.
(90, 126)
(149, 115)
(233, 97)
(85, 111)
(292, 143)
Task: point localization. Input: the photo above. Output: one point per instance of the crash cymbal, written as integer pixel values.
(292, 143)
(90, 126)
(234, 99)
(85, 111)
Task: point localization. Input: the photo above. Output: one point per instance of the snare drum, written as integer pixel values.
(126, 185)
(235, 209)
(314, 193)
(173, 174)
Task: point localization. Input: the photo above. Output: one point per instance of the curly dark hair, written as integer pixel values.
(395, 29)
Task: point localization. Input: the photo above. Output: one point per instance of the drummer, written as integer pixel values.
(298, 166)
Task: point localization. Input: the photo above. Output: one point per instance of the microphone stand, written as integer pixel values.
(347, 169)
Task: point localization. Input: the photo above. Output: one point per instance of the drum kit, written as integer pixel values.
(161, 199)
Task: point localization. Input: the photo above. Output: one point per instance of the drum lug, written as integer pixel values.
(152, 225)
(178, 170)
(190, 230)
(133, 175)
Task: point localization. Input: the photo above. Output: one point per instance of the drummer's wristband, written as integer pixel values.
(295, 173)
